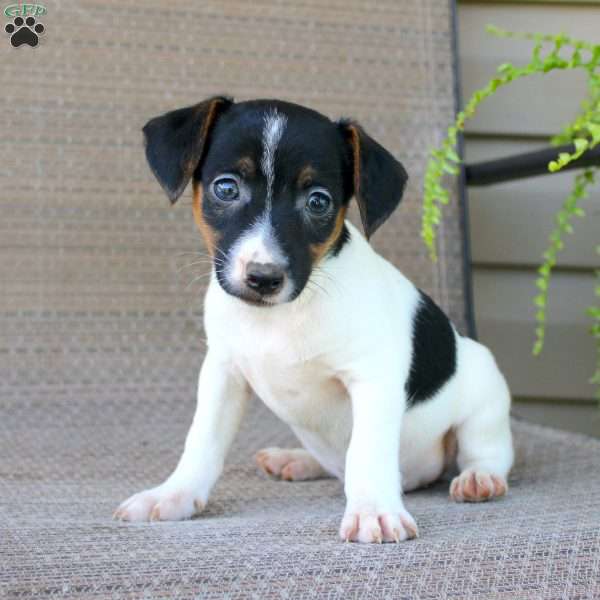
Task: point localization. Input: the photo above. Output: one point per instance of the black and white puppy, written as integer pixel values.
(366, 369)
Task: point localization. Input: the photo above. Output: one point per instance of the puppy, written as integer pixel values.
(367, 371)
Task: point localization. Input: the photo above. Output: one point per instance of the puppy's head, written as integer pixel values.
(272, 182)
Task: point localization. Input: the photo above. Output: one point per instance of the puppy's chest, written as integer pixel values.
(292, 378)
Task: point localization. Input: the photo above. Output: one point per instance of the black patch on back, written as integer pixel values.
(434, 351)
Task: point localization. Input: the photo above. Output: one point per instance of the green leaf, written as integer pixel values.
(540, 301)
(563, 158)
(451, 155)
(448, 168)
(581, 144)
(544, 270)
(594, 132)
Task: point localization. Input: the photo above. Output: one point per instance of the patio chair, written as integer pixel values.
(101, 338)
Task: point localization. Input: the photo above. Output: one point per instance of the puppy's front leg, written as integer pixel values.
(222, 394)
(374, 508)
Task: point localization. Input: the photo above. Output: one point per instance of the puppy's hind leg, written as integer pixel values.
(290, 464)
(485, 450)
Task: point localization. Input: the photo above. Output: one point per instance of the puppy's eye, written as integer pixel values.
(226, 189)
(318, 202)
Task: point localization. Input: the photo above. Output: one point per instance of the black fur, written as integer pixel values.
(381, 178)
(434, 351)
(175, 143)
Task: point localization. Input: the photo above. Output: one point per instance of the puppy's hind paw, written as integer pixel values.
(477, 486)
(292, 465)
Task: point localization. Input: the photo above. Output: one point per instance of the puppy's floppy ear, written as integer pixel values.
(378, 179)
(176, 141)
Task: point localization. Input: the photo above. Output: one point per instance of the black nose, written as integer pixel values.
(266, 279)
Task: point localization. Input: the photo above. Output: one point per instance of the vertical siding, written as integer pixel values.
(510, 222)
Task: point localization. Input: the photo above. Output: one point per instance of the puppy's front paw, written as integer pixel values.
(477, 486)
(372, 527)
(159, 504)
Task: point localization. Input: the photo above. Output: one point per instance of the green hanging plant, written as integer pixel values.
(562, 220)
(549, 53)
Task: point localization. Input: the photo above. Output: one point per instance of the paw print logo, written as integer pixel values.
(24, 31)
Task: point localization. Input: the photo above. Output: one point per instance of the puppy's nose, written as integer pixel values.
(264, 278)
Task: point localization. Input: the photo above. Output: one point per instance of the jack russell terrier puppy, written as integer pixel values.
(367, 371)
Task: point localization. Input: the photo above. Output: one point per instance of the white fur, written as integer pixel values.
(333, 364)
(274, 124)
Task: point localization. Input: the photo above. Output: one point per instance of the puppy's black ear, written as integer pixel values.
(378, 179)
(176, 142)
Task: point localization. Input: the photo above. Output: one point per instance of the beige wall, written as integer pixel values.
(510, 222)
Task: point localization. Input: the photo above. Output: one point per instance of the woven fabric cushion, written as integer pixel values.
(66, 465)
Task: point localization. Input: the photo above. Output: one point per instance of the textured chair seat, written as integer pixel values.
(66, 464)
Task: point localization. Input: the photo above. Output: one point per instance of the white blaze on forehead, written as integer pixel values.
(274, 124)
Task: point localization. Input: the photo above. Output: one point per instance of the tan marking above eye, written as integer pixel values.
(246, 166)
(306, 176)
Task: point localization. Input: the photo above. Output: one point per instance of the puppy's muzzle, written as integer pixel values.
(265, 279)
